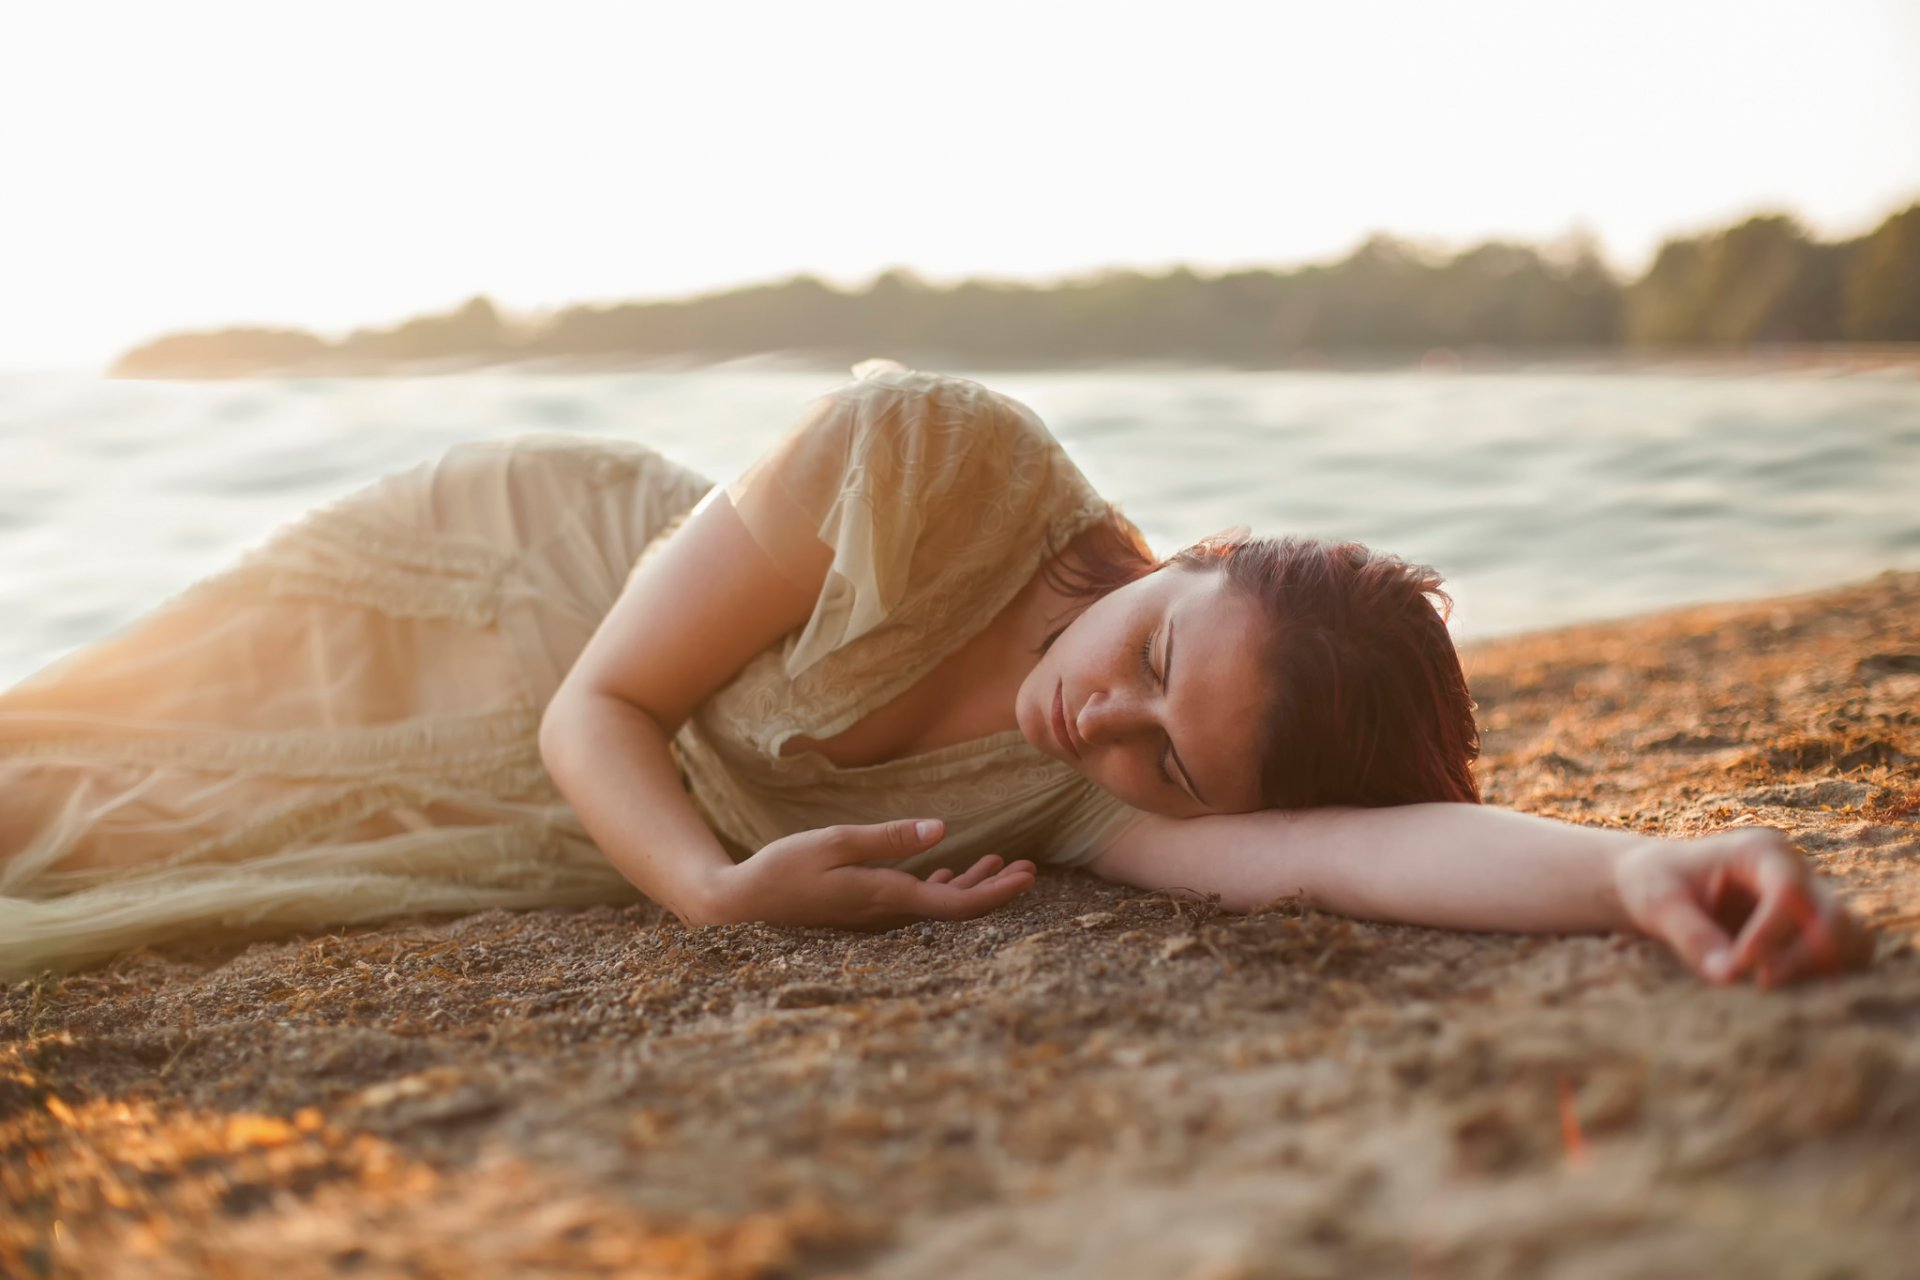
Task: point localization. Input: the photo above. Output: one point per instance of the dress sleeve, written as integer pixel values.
(906, 478)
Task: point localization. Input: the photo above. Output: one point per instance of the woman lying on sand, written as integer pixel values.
(909, 641)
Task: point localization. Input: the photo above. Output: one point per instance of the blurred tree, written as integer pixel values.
(1666, 306)
(1762, 281)
(471, 330)
(1881, 292)
(219, 354)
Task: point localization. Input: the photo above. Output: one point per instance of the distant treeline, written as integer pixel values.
(1762, 282)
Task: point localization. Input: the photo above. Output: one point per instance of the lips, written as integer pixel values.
(1060, 729)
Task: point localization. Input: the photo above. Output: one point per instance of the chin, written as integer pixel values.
(1023, 714)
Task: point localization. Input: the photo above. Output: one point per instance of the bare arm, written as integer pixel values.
(1462, 866)
(1454, 866)
(686, 623)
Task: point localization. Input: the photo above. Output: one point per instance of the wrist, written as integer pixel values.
(711, 897)
(1629, 862)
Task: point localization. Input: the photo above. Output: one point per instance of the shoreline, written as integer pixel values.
(1094, 1081)
(1898, 359)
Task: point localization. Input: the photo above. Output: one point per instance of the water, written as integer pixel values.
(1545, 497)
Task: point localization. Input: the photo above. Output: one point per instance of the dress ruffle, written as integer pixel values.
(342, 727)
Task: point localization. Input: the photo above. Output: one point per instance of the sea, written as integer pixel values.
(1545, 495)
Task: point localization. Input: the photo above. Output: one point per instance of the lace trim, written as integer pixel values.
(394, 594)
(917, 443)
(285, 828)
(338, 556)
(403, 548)
(486, 760)
(437, 745)
(519, 864)
(995, 791)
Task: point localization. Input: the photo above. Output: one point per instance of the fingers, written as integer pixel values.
(1785, 912)
(1795, 928)
(952, 901)
(1807, 956)
(984, 869)
(1831, 943)
(974, 875)
(894, 896)
(906, 837)
(884, 841)
(1700, 943)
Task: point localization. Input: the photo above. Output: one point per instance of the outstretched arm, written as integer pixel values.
(1728, 904)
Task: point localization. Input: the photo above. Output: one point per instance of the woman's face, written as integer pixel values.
(1156, 693)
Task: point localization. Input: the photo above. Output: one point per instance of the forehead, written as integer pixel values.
(1218, 685)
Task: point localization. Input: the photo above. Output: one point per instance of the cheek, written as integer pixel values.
(1134, 780)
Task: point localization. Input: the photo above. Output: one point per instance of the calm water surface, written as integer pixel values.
(1545, 497)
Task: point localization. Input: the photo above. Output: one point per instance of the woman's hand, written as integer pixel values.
(1738, 902)
(822, 878)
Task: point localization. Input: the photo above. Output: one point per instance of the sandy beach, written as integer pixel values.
(1094, 1082)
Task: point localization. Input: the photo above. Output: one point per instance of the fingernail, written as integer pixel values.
(926, 829)
(1719, 964)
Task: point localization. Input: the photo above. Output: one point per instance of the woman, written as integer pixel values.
(909, 641)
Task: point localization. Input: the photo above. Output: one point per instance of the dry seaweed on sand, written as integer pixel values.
(1093, 1082)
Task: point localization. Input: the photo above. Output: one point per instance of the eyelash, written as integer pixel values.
(1146, 663)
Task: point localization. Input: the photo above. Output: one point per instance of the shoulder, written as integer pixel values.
(933, 410)
(948, 447)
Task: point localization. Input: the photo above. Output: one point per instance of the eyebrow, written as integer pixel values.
(1178, 763)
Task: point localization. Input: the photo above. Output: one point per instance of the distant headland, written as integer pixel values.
(1762, 283)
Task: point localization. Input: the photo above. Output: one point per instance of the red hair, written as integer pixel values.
(1368, 705)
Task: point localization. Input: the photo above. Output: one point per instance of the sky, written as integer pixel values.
(194, 165)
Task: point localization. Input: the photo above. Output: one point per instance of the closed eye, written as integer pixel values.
(1146, 664)
(1178, 763)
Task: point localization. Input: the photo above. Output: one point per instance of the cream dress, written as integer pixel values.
(342, 727)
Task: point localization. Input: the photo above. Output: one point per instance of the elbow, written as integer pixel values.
(577, 716)
(557, 729)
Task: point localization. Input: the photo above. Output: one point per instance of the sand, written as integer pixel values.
(1092, 1082)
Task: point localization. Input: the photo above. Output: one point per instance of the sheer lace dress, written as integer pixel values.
(342, 726)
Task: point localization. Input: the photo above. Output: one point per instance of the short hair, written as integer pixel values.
(1367, 704)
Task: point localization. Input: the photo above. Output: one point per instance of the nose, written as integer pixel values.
(1105, 717)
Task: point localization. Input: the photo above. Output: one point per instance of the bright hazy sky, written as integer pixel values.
(187, 164)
